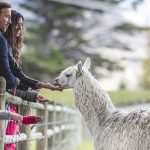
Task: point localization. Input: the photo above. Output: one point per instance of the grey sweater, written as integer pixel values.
(29, 95)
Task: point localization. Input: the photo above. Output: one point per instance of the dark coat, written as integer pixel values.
(5, 69)
(11, 70)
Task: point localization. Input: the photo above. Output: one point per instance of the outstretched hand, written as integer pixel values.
(40, 85)
(41, 98)
(53, 87)
(16, 117)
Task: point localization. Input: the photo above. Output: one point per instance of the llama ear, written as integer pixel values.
(79, 72)
(87, 64)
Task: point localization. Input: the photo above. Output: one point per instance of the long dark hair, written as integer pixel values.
(15, 43)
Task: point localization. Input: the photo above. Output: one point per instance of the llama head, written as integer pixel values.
(69, 76)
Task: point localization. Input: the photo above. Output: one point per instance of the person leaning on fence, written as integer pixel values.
(5, 70)
(9, 68)
(14, 36)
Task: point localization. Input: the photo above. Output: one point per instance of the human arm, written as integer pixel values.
(6, 115)
(29, 95)
(16, 117)
(25, 95)
(25, 81)
(40, 85)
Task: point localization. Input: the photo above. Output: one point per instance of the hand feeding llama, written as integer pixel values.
(110, 128)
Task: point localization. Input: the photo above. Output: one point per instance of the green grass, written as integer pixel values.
(85, 145)
(33, 145)
(65, 97)
(121, 97)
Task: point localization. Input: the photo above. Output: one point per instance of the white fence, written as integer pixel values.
(59, 130)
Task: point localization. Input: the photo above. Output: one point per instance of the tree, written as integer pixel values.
(52, 28)
(146, 74)
(146, 67)
(57, 26)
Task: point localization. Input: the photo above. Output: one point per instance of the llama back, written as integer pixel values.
(124, 131)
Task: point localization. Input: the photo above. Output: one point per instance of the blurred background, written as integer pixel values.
(115, 34)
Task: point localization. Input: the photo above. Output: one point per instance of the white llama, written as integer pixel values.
(110, 128)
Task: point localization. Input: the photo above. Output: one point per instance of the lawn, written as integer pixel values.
(85, 145)
(124, 98)
(64, 97)
(121, 98)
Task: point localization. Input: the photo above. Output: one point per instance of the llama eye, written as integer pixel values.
(68, 75)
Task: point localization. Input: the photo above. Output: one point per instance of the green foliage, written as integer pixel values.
(122, 86)
(53, 25)
(31, 37)
(51, 62)
(146, 75)
(129, 27)
(57, 25)
(134, 3)
(110, 1)
(49, 17)
(145, 79)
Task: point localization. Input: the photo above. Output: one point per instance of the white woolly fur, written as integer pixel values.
(110, 128)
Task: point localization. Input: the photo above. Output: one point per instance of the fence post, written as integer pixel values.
(45, 126)
(53, 127)
(60, 126)
(2, 107)
(43, 143)
(50, 127)
(25, 110)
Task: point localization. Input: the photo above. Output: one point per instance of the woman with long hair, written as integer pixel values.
(14, 36)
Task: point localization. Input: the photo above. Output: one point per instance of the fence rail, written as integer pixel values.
(60, 129)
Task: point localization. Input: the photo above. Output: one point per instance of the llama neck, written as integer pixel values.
(92, 101)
